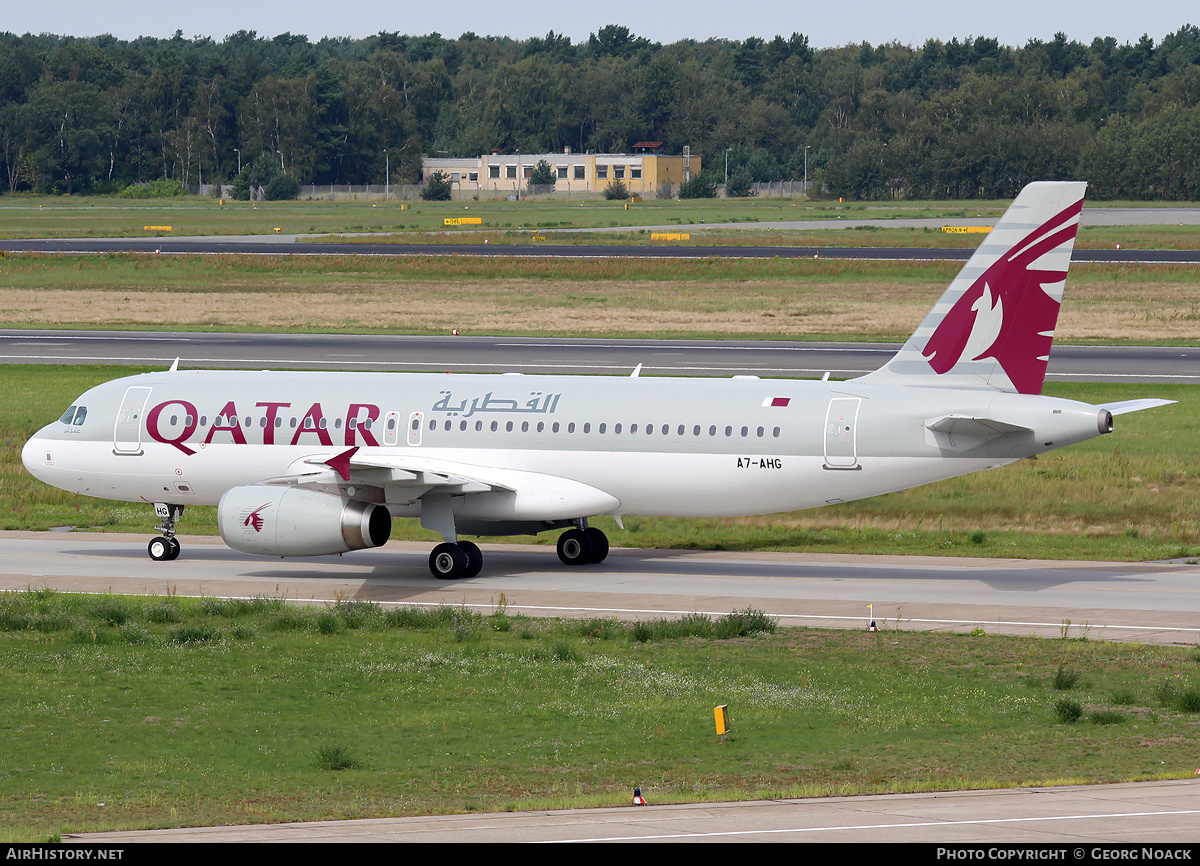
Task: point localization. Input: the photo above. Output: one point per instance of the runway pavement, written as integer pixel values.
(299, 245)
(777, 358)
(1156, 602)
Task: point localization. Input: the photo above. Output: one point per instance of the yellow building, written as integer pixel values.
(498, 173)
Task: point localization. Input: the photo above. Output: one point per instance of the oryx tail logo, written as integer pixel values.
(254, 518)
(1006, 314)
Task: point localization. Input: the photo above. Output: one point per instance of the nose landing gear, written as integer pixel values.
(166, 547)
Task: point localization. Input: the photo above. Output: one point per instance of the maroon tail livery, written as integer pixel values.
(1012, 290)
(994, 326)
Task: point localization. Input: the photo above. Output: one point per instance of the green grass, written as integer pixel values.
(517, 222)
(406, 711)
(1127, 496)
(101, 216)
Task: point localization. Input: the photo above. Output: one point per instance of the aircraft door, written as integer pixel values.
(391, 428)
(127, 433)
(841, 442)
(414, 428)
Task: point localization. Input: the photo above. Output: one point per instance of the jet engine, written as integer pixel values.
(292, 521)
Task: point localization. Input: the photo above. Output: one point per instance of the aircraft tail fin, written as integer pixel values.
(994, 325)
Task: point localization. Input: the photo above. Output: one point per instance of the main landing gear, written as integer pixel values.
(580, 545)
(452, 560)
(166, 547)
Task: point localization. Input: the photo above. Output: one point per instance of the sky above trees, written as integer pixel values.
(1013, 22)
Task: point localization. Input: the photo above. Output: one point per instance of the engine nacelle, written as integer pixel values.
(292, 521)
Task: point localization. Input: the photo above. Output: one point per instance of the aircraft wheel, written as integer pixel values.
(474, 558)
(161, 549)
(448, 561)
(599, 544)
(175, 548)
(575, 547)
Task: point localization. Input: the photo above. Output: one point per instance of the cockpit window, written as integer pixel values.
(74, 416)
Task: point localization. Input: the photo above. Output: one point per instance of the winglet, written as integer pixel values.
(341, 463)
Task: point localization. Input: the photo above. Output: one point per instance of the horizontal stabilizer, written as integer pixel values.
(1135, 405)
(961, 432)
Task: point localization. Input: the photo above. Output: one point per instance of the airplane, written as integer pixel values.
(312, 463)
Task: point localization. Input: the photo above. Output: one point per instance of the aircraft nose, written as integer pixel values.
(37, 454)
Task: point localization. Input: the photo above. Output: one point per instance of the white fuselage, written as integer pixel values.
(651, 446)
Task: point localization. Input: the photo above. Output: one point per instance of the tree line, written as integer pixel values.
(957, 119)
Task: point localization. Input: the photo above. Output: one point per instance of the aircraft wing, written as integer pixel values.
(514, 494)
(419, 473)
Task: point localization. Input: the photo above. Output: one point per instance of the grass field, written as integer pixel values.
(519, 222)
(158, 712)
(98, 216)
(1131, 495)
(769, 298)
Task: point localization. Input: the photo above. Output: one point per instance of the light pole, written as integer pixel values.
(239, 153)
(281, 168)
(806, 169)
(727, 166)
(387, 175)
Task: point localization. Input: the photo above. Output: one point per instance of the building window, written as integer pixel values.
(562, 172)
(494, 172)
(635, 172)
(602, 172)
(618, 172)
(580, 172)
(472, 177)
(510, 172)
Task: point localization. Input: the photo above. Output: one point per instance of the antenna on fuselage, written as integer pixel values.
(636, 372)
(174, 366)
